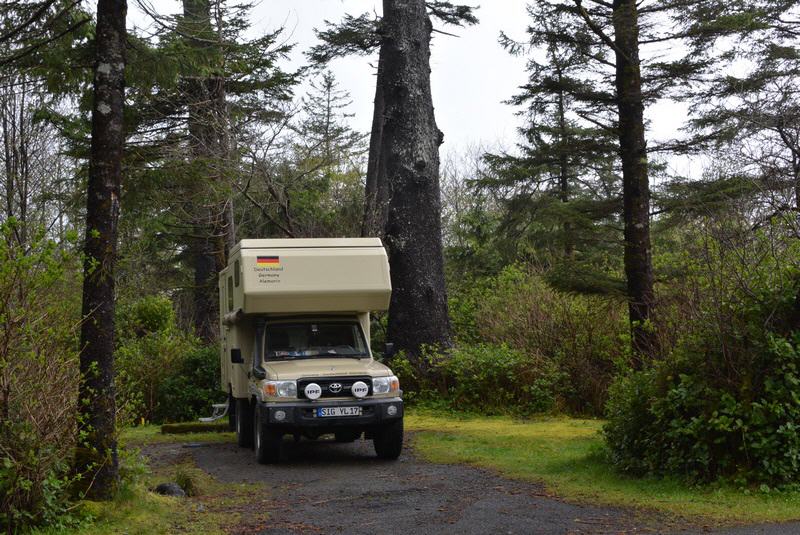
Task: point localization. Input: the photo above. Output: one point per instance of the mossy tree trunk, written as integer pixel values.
(376, 194)
(635, 179)
(96, 457)
(411, 139)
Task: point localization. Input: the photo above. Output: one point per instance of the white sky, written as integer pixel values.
(471, 74)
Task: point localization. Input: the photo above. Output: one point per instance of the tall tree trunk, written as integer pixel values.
(563, 167)
(635, 181)
(376, 198)
(208, 149)
(418, 310)
(96, 457)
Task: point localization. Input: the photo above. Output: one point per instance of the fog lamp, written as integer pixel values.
(279, 415)
(360, 389)
(391, 410)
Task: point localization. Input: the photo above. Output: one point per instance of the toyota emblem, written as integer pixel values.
(335, 388)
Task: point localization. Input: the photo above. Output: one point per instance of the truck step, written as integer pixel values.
(219, 411)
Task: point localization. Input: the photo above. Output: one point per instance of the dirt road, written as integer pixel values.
(342, 488)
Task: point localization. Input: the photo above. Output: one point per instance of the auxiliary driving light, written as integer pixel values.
(360, 389)
(313, 391)
(391, 410)
(280, 416)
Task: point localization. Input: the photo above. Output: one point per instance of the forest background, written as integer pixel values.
(650, 279)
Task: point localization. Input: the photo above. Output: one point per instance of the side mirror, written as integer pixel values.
(389, 350)
(236, 356)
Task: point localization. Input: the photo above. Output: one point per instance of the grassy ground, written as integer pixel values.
(563, 454)
(566, 456)
(211, 508)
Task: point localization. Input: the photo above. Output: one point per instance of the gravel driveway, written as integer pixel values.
(328, 488)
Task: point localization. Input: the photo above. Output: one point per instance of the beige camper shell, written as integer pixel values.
(295, 355)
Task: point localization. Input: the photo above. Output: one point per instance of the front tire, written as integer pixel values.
(244, 423)
(388, 440)
(267, 441)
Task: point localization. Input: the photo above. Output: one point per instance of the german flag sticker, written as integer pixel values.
(268, 261)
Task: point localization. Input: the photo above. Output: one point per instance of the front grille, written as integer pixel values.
(326, 382)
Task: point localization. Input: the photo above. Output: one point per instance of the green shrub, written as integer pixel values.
(497, 379)
(481, 378)
(725, 402)
(39, 319)
(572, 340)
(189, 393)
(680, 418)
(164, 375)
(34, 488)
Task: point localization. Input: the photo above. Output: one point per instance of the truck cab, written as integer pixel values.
(295, 353)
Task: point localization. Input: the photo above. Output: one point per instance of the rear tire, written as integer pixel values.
(388, 440)
(267, 440)
(244, 423)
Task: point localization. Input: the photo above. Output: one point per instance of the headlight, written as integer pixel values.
(384, 385)
(280, 389)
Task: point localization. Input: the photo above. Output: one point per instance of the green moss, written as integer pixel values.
(212, 507)
(194, 427)
(567, 456)
(152, 434)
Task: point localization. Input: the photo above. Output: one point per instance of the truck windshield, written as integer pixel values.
(308, 340)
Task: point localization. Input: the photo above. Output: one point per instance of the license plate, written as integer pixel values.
(327, 412)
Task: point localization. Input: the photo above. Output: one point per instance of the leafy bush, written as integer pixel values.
(725, 402)
(39, 316)
(494, 379)
(164, 374)
(481, 378)
(189, 393)
(34, 485)
(570, 343)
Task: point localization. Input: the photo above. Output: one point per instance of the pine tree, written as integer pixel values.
(560, 186)
(618, 29)
(751, 107)
(306, 181)
(403, 202)
(201, 90)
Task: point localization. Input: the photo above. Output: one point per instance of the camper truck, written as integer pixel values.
(295, 353)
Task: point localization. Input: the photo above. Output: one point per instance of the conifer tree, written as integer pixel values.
(403, 201)
(560, 185)
(618, 30)
(418, 315)
(306, 180)
(364, 35)
(213, 89)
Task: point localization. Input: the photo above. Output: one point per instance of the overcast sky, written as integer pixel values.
(471, 74)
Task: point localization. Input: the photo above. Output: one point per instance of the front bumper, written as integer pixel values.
(303, 414)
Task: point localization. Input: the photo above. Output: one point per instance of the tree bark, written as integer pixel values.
(635, 180)
(376, 198)
(563, 166)
(96, 456)
(418, 310)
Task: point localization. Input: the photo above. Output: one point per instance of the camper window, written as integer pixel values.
(230, 294)
(312, 339)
